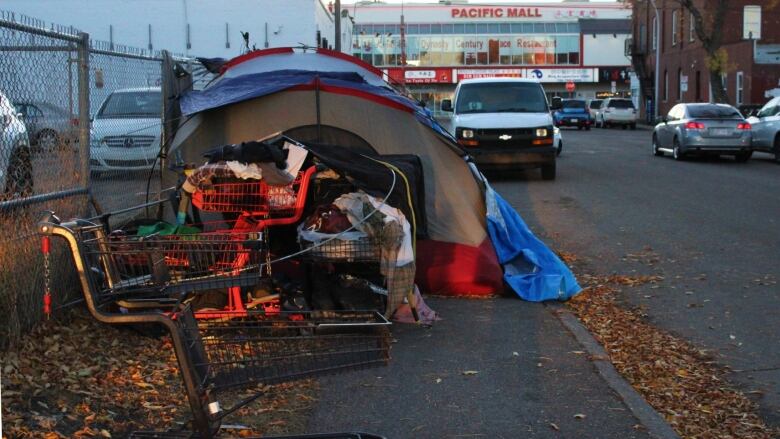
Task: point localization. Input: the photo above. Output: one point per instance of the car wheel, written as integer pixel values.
(633, 126)
(743, 156)
(656, 151)
(587, 128)
(548, 171)
(677, 151)
(579, 127)
(48, 140)
(560, 148)
(776, 149)
(19, 179)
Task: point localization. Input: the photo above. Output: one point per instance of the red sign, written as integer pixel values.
(570, 86)
(490, 12)
(420, 76)
(489, 73)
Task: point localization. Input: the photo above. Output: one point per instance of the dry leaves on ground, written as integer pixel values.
(86, 379)
(678, 380)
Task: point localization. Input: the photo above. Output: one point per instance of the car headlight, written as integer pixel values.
(541, 132)
(467, 134)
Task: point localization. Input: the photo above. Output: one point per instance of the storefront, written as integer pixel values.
(557, 44)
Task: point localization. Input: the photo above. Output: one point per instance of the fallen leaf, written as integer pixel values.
(438, 380)
(579, 416)
(554, 426)
(470, 372)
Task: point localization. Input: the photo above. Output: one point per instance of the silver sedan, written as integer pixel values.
(703, 129)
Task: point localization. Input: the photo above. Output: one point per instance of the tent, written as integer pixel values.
(328, 97)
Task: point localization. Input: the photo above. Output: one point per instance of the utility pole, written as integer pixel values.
(337, 12)
(403, 47)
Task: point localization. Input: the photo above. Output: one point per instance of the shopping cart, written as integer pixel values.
(221, 357)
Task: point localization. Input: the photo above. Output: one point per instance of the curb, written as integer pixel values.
(655, 423)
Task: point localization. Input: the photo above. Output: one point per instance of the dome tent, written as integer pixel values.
(331, 98)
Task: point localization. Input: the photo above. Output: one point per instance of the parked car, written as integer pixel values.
(16, 172)
(126, 131)
(48, 125)
(557, 140)
(703, 129)
(616, 111)
(766, 128)
(504, 123)
(574, 113)
(593, 108)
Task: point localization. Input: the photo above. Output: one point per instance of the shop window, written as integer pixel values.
(528, 28)
(458, 28)
(561, 28)
(425, 29)
(469, 28)
(517, 59)
(563, 58)
(550, 28)
(482, 58)
(539, 28)
(549, 58)
(482, 28)
(517, 28)
(436, 28)
(574, 28)
(412, 29)
(506, 59)
(529, 58)
(574, 57)
(447, 28)
(494, 28)
(505, 28)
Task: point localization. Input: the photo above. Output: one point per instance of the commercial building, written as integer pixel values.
(751, 47)
(205, 28)
(579, 44)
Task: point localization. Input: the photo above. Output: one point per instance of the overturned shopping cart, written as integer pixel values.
(215, 356)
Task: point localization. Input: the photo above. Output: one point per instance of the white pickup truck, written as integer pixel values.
(504, 123)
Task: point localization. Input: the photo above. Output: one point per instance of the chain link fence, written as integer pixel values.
(80, 130)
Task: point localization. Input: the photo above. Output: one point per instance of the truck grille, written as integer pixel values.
(504, 138)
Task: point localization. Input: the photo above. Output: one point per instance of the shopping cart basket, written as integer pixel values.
(220, 358)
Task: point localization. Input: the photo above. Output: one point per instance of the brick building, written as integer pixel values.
(754, 65)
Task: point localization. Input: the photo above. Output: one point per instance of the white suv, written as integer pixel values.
(16, 176)
(126, 130)
(616, 111)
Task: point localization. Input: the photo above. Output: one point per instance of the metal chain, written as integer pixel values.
(46, 284)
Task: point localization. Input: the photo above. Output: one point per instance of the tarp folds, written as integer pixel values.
(531, 269)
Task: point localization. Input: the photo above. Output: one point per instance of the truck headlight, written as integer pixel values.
(467, 134)
(541, 132)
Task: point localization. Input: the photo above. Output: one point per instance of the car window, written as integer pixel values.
(769, 110)
(713, 112)
(595, 104)
(573, 104)
(620, 103)
(501, 97)
(131, 104)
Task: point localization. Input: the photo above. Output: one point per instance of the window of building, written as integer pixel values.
(655, 33)
(679, 85)
(692, 29)
(666, 86)
(675, 26)
(740, 88)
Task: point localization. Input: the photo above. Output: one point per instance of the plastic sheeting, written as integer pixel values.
(531, 269)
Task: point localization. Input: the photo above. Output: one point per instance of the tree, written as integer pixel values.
(709, 29)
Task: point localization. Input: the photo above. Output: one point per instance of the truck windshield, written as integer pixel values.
(132, 105)
(501, 97)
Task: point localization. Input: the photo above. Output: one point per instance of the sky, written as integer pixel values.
(483, 1)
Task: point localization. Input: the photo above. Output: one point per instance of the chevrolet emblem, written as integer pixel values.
(505, 137)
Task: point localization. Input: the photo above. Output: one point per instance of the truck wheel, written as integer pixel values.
(742, 157)
(548, 171)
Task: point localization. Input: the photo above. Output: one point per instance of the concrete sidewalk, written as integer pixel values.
(532, 380)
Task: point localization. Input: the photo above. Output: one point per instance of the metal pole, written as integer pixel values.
(656, 103)
(337, 11)
(84, 122)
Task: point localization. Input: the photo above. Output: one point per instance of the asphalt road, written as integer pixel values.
(710, 227)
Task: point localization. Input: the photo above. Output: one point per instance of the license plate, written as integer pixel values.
(721, 132)
(573, 120)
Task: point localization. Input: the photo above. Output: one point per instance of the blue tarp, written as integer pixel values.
(533, 271)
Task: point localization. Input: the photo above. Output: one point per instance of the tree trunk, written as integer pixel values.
(719, 94)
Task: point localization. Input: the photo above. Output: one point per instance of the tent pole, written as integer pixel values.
(317, 103)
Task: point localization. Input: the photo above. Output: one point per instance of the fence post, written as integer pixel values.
(84, 109)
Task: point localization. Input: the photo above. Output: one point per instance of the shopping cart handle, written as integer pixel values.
(49, 222)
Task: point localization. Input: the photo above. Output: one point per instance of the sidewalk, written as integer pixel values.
(532, 380)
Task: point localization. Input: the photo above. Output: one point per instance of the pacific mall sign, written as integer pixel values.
(495, 12)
